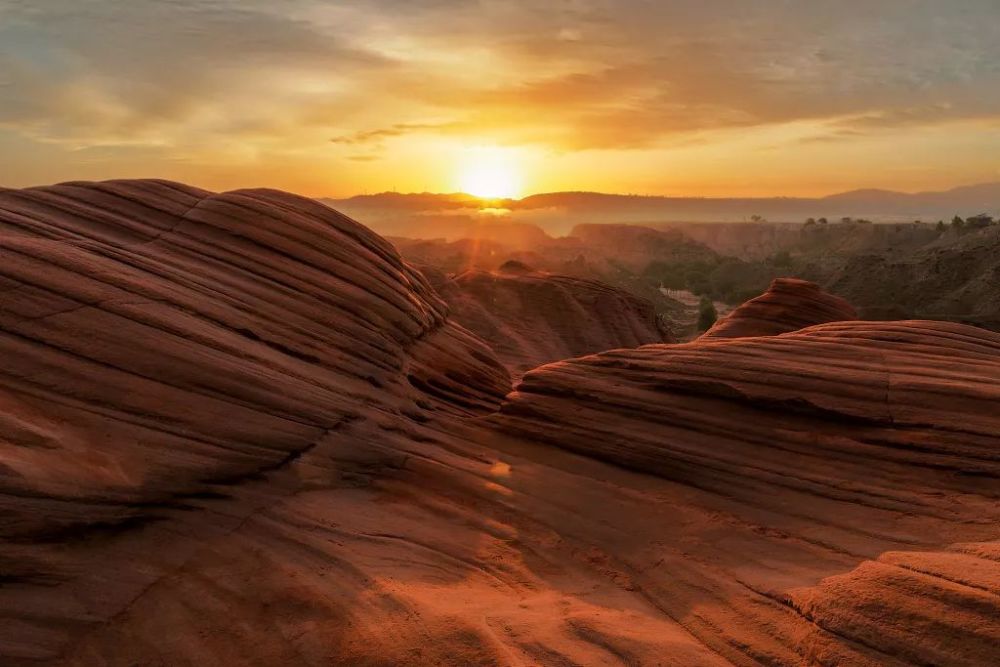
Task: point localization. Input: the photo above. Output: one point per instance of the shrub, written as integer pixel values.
(707, 314)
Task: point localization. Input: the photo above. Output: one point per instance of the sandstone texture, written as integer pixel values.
(789, 304)
(239, 429)
(531, 318)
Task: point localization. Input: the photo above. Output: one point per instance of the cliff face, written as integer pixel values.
(952, 278)
(238, 429)
(531, 318)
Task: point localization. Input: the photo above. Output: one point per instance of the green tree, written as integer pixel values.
(940, 227)
(707, 314)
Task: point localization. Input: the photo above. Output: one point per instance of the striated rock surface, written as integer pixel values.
(855, 467)
(238, 429)
(157, 337)
(531, 318)
(789, 304)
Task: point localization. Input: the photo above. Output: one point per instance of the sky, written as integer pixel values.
(684, 97)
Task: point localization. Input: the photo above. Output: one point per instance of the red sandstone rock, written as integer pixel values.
(789, 304)
(531, 318)
(238, 429)
(156, 337)
(859, 460)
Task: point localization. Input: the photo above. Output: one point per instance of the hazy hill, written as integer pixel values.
(556, 212)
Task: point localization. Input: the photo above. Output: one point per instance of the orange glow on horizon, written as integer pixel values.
(490, 173)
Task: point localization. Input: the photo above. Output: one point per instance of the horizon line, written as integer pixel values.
(656, 196)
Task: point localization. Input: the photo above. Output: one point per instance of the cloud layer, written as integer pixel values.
(216, 82)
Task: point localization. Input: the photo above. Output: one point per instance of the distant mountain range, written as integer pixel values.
(878, 205)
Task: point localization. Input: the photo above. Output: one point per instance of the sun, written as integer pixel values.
(490, 174)
(490, 181)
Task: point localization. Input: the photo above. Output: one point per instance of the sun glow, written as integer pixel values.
(490, 173)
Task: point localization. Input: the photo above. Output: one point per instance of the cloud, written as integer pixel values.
(397, 130)
(830, 137)
(200, 78)
(102, 72)
(638, 78)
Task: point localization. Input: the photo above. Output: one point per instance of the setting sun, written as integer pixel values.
(490, 173)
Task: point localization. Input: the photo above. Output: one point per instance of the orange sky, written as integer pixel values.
(691, 97)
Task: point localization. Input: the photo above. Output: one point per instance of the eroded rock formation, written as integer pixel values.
(531, 318)
(200, 337)
(862, 452)
(789, 304)
(238, 429)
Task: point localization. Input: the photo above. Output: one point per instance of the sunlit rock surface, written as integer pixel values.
(238, 429)
(530, 318)
(789, 304)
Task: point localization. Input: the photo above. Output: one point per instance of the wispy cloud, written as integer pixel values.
(198, 77)
(397, 130)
